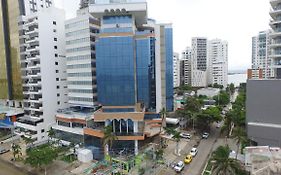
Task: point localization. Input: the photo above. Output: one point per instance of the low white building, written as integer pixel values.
(209, 92)
(43, 67)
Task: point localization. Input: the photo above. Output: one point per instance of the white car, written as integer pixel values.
(193, 152)
(185, 135)
(205, 135)
(179, 166)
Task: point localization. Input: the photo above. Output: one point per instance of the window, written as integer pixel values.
(56, 55)
(56, 63)
(58, 87)
(54, 22)
(57, 79)
(42, 130)
(55, 39)
(58, 102)
(55, 47)
(54, 30)
(57, 71)
(58, 95)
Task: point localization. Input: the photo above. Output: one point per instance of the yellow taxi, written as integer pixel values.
(188, 159)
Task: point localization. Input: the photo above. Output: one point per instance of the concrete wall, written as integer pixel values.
(263, 115)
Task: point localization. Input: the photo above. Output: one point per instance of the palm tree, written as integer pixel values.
(108, 139)
(163, 114)
(222, 164)
(51, 134)
(16, 151)
(28, 140)
(192, 109)
(240, 136)
(177, 137)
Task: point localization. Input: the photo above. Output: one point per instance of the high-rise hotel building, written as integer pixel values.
(132, 76)
(134, 56)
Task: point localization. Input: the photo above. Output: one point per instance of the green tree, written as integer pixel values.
(176, 137)
(51, 135)
(16, 149)
(240, 136)
(222, 99)
(108, 139)
(41, 157)
(222, 164)
(192, 108)
(28, 140)
(208, 116)
(231, 88)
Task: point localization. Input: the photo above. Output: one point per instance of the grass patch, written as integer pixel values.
(69, 158)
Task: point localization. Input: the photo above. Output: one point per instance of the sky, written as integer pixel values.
(235, 21)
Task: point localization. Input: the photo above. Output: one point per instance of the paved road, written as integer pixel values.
(204, 149)
(7, 169)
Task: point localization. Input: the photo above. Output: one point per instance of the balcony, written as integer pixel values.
(35, 30)
(33, 48)
(274, 12)
(274, 2)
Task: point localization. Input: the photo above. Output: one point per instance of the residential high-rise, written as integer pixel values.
(261, 61)
(176, 69)
(43, 67)
(217, 62)
(10, 74)
(199, 62)
(275, 37)
(81, 33)
(186, 67)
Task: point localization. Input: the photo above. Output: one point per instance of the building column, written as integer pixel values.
(136, 147)
(136, 126)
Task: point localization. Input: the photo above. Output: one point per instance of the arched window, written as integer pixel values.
(123, 126)
(117, 126)
(130, 126)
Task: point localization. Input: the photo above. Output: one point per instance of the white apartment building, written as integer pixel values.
(275, 37)
(260, 55)
(81, 33)
(43, 67)
(218, 62)
(32, 6)
(199, 62)
(186, 67)
(176, 69)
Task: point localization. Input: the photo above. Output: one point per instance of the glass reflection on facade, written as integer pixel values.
(169, 68)
(10, 42)
(3, 70)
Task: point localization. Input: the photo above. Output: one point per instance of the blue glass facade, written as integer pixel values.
(115, 71)
(125, 64)
(169, 69)
(146, 72)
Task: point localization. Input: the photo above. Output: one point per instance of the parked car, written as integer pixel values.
(205, 135)
(2, 150)
(185, 135)
(193, 152)
(179, 166)
(188, 159)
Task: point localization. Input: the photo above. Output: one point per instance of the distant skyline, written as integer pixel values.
(234, 21)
